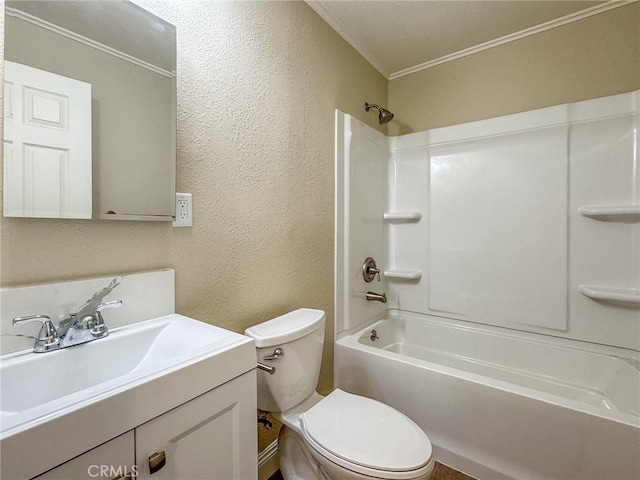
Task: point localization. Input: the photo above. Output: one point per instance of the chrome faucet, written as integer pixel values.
(73, 330)
(87, 317)
(377, 297)
(83, 326)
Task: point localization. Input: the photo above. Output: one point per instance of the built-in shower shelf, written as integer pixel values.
(627, 295)
(620, 212)
(402, 217)
(394, 274)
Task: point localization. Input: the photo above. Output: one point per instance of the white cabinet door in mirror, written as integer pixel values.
(47, 142)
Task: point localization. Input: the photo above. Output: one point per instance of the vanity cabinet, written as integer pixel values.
(113, 459)
(212, 436)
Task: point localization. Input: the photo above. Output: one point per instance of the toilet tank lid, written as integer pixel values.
(286, 328)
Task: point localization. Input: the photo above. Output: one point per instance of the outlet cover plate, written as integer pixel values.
(184, 210)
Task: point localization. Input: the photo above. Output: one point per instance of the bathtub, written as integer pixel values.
(498, 403)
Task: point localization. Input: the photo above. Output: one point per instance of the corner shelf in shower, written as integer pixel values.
(394, 274)
(613, 212)
(627, 295)
(403, 217)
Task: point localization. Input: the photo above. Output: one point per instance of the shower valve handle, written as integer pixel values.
(370, 270)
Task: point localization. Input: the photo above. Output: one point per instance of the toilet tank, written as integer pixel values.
(300, 335)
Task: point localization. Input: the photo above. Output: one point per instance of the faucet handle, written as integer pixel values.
(100, 329)
(112, 304)
(48, 336)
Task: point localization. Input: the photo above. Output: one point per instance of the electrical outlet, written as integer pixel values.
(184, 210)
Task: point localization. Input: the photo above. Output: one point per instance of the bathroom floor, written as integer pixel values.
(442, 472)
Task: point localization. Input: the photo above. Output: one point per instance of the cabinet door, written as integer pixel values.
(210, 437)
(110, 460)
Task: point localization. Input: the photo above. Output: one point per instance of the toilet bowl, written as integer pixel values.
(340, 436)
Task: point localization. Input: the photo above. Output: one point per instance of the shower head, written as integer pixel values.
(384, 115)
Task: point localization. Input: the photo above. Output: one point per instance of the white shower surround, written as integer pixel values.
(528, 224)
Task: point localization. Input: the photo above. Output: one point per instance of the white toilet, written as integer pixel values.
(340, 436)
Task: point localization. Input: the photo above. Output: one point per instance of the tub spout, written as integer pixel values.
(377, 297)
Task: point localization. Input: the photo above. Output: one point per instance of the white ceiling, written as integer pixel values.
(400, 37)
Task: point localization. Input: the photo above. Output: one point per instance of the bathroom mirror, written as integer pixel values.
(90, 111)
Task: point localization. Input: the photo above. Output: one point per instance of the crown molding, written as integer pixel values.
(318, 7)
(86, 41)
(574, 17)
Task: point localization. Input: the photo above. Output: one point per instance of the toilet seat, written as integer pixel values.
(366, 436)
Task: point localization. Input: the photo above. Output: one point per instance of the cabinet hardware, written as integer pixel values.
(157, 461)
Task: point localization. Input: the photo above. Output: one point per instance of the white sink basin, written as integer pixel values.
(31, 380)
(136, 373)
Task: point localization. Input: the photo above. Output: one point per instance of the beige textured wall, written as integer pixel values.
(258, 85)
(590, 58)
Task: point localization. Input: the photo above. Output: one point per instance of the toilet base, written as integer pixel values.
(298, 461)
